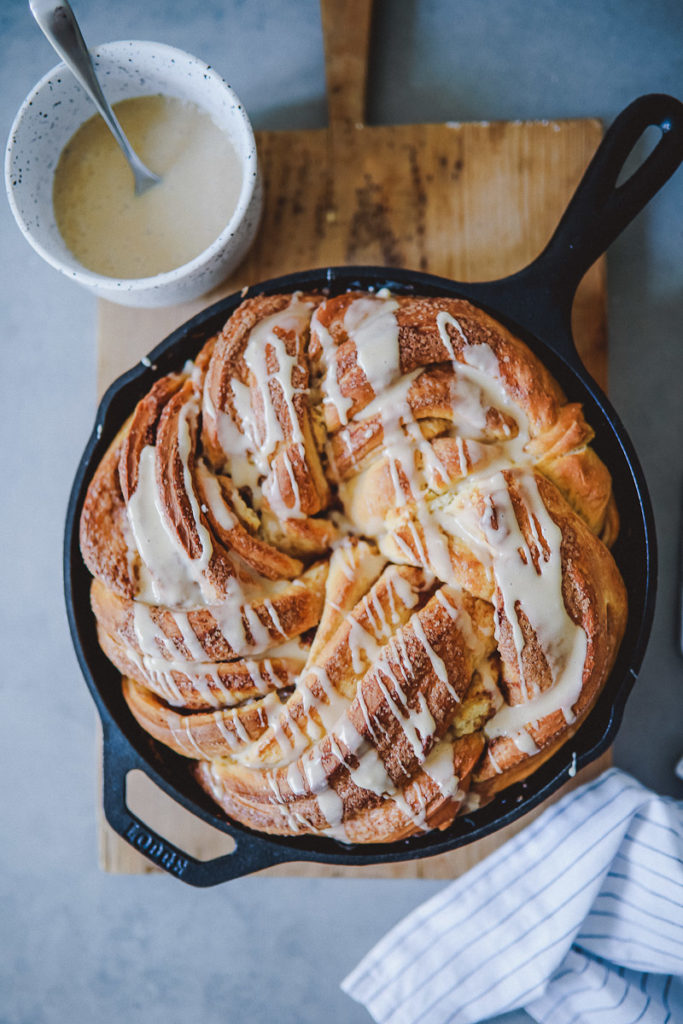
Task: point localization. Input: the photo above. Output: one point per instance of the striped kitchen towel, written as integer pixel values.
(578, 919)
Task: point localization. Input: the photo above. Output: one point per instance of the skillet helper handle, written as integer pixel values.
(600, 209)
(247, 857)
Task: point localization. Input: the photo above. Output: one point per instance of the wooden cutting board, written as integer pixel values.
(465, 201)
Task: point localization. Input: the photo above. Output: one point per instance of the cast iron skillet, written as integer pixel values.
(536, 303)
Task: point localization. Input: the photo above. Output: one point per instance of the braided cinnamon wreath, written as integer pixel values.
(353, 562)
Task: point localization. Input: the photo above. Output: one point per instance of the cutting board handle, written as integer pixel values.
(346, 35)
(540, 297)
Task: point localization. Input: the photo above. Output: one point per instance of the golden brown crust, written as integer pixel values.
(105, 551)
(295, 464)
(420, 345)
(204, 734)
(353, 562)
(143, 429)
(252, 628)
(595, 598)
(365, 818)
(208, 685)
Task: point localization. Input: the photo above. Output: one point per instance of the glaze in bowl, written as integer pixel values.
(56, 108)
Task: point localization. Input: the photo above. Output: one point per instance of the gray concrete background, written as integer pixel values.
(76, 945)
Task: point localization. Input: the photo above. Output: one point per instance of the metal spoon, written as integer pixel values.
(57, 21)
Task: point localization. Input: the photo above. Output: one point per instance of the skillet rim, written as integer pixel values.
(130, 747)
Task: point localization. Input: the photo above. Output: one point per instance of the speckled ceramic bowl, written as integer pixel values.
(55, 109)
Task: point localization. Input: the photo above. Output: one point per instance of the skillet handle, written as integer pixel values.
(541, 295)
(248, 856)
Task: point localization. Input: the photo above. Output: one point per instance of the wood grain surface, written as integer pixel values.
(466, 201)
(461, 200)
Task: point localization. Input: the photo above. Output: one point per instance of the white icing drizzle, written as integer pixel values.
(194, 648)
(538, 592)
(370, 773)
(217, 504)
(333, 704)
(164, 681)
(408, 720)
(260, 633)
(331, 806)
(205, 676)
(437, 663)
(370, 323)
(229, 735)
(524, 742)
(296, 779)
(472, 802)
(344, 558)
(329, 801)
(185, 732)
(496, 767)
(286, 731)
(236, 611)
(274, 618)
(436, 552)
(273, 493)
(363, 646)
(255, 405)
(331, 391)
(170, 577)
(376, 616)
(189, 412)
(151, 639)
(399, 586)
(315, 690)
(243, 470)
(370, 725)
(441, 770)
(295, 821)
(161, 673)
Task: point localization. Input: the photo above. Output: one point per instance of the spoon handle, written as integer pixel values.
(58, 23)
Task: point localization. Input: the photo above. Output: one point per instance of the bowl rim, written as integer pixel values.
(156, 282)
